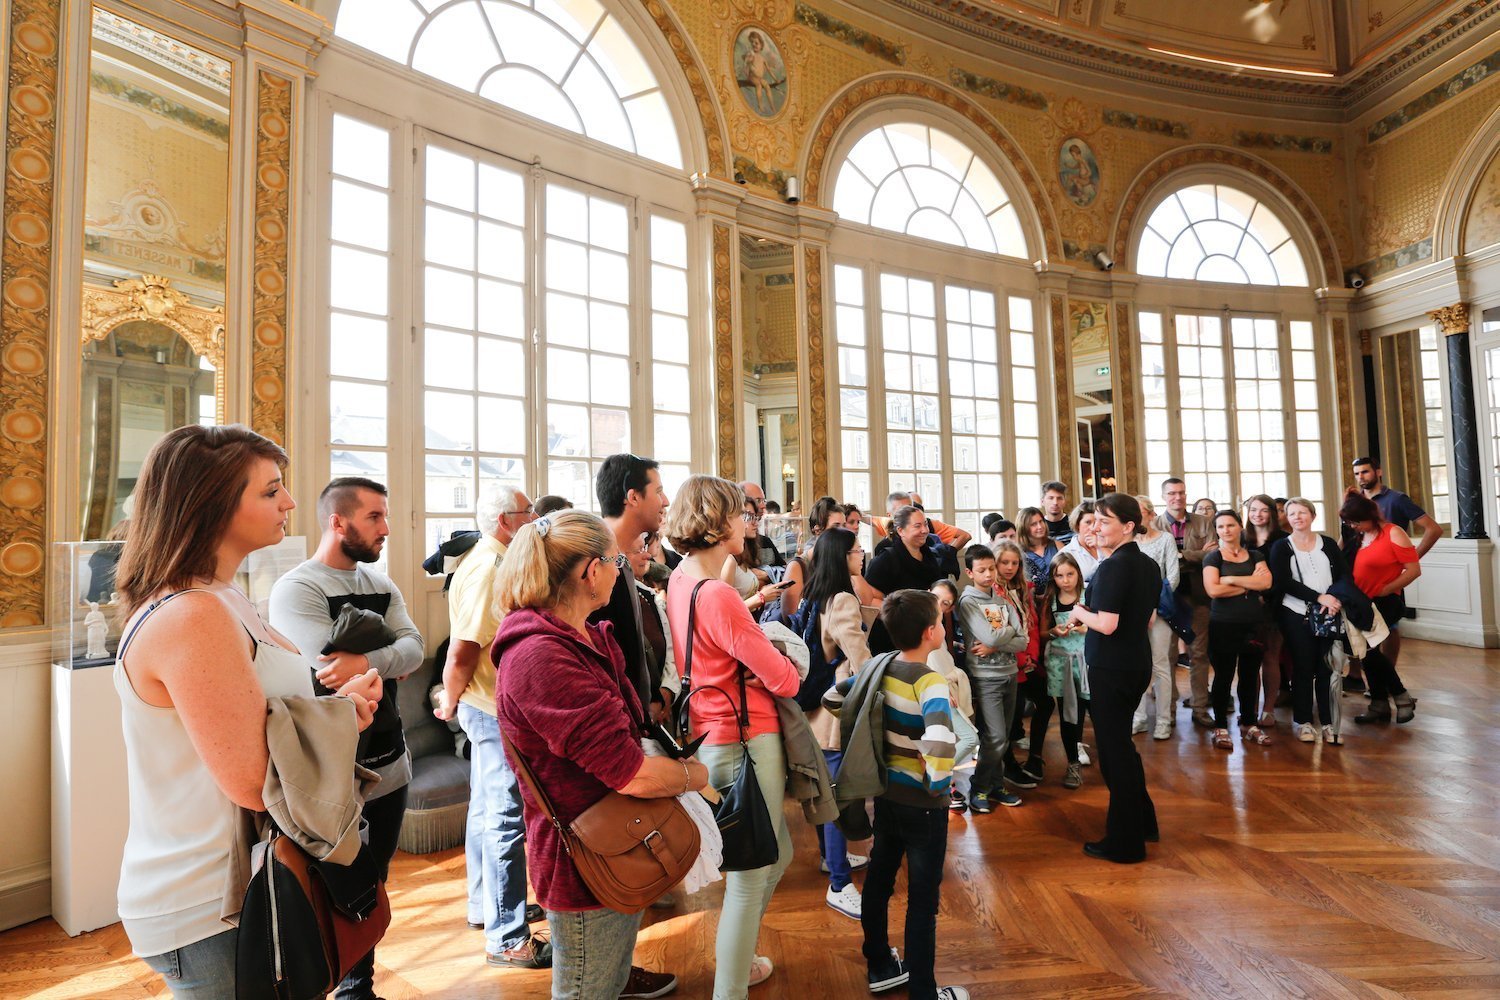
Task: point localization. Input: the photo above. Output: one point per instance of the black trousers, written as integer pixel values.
(1113, 697)
(384, 817)
(921, 835)
(1310, 670)
(1231, 650)
(1380, 672)
(1034, 690)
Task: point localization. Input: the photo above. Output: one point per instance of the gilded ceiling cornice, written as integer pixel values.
(1337, 94)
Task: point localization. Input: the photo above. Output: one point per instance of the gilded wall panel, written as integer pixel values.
(270, 308)
(724, 366)
(1127, 457)
(1062, 378)
(25, 306)
(817, 388)
(1343, 374)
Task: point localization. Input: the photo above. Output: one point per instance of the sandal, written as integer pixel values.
(1254, 735)
(1222, 740)
(760, 970)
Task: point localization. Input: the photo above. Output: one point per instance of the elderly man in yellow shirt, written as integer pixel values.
(495, 845)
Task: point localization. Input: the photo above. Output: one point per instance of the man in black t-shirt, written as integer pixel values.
(909, 562)
(1055, 510)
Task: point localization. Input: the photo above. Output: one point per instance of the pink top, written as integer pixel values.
(727, 637)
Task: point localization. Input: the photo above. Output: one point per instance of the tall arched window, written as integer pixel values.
(1231, 391)
(568, 62)
(506, 303)
(936, 344)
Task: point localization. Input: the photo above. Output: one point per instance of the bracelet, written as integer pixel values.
(687, 779)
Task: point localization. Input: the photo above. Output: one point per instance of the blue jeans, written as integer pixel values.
(495, 844)
(591, 952)
(831, 842)
(203, 970)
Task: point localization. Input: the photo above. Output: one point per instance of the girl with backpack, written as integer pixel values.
(828, 620)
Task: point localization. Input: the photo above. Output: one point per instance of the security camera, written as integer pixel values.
(1355, 279)
(1104, 261)
(793, 190)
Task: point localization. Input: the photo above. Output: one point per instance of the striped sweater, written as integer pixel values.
(919, 741)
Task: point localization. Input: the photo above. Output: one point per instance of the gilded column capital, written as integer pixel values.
(1451, 319)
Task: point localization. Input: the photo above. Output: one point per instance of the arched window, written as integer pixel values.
(937, 352)
(1214, 232)
(921, 181)
(1231, 391)
(567, 62)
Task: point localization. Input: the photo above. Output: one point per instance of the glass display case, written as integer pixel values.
(88, 620)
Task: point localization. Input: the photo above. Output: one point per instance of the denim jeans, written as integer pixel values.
(831, 842)
(995, 704)
(591, 952)
(384, 816)
(747, 894)
(922, 836)
(203, 970)
(495, 843)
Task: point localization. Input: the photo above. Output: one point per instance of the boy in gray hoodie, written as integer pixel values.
(993, 634)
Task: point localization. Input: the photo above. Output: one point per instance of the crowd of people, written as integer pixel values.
(919, 673)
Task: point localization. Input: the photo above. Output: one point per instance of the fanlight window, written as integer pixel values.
(1210, 232)
(917, 180)
(567, 62)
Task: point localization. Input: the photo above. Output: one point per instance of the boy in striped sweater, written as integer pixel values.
(911, 818)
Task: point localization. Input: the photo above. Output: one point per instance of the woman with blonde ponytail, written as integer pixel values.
(566, 706)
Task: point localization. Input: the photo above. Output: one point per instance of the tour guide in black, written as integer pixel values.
(1117, 608)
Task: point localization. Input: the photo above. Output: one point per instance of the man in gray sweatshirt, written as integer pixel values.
(354, 515)
(993, 634)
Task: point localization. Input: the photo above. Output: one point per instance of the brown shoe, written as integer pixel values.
(534, 954)
(643, 984)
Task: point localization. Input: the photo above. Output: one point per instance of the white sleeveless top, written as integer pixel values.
(181, 823)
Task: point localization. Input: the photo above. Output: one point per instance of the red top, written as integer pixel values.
(727, 637)
(569, 710)
(1379, 562)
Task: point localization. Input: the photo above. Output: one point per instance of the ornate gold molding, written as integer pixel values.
(1217, 156)
(1062, 380)
(1410, 400)
(905, 86)
(1343, 369)
(817, 388)
(1451, 319)
(270, 312)
(25, 306)
(724, 366)
(703, 99)
(1127, 459)
(152, 299)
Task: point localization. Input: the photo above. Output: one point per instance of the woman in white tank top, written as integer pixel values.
(193, 674)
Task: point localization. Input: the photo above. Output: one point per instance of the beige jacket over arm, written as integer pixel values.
(1199, 535)
(842, 630)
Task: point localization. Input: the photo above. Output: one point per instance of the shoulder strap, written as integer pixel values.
(536, 791)
(743, 713)
(150, 610)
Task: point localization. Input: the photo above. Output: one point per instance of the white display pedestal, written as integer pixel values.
(90, 801)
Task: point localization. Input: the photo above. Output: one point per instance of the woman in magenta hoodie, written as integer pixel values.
(705, 523)
(567, 708)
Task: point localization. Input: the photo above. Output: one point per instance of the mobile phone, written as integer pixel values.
(783, 584)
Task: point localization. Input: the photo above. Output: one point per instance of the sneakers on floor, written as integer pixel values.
(1084, 760)
(1138, 726)
(645, 985)
(980, 804)
(1024, 743)
(760, 970)
(856, 863)
(1001, 797)
(534, 954)
(845, 900)
(1035, 767)
(1306, 733)
(956, 801)
(1018, 778)
(888, 975)
(952, 993)
(1332, 738)
(1163, 731)
(1073, 778)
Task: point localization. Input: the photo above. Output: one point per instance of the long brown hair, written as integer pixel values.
(189, 489)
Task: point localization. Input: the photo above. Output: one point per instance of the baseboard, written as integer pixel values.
(25, 895)
(1467, 634)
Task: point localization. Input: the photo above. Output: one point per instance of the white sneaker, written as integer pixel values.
(1084, 760)
(952, 993)
(1332, 738)
(857, 862)
(847, 901)
(1306, 733)
(1024, 743)
(1138, 726)
(1163, 731)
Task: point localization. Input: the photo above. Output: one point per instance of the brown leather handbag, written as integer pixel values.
(628, 851)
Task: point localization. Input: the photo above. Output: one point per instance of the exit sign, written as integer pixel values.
(1102, 370)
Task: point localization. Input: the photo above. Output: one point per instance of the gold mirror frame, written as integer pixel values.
(152, 299)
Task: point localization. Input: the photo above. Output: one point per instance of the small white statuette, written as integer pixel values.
(98, 627)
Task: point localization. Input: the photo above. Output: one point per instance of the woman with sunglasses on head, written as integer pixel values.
(1384, 562)
(704, 523)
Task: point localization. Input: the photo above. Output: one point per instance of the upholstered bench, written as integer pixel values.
(437, 802)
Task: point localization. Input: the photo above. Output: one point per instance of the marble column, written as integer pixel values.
(1372, 398)
(1467, 489)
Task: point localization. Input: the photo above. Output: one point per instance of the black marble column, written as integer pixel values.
(1372, 411)
(1467, 479)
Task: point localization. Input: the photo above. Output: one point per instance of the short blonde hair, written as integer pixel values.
(1312, 508)
(1148, 509)
(701, 513)
(543, 556)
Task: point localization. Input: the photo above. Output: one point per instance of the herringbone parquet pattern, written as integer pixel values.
(1296, 870)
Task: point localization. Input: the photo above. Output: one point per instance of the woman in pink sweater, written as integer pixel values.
(706, 526)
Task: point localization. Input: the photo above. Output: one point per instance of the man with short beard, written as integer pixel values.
(355, 518)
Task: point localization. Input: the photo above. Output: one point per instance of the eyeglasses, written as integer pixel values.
(618, 561)
(528, 512)
(749, 518)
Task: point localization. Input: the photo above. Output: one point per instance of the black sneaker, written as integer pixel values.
(1016, 776)
(888, 975)
(956, 801)
(1035, 767)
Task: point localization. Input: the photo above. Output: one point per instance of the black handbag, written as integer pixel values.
(742, 814)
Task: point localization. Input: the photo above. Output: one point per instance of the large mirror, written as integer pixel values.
(1093, 396)
(768, 367)
(156, 228)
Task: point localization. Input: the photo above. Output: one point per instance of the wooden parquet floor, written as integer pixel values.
(1296, 870)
